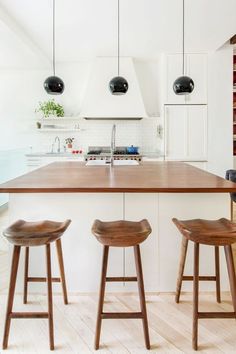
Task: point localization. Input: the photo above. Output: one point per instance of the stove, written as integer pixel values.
(104, 153)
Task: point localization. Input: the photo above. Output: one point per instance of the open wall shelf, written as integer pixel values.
(59, 119)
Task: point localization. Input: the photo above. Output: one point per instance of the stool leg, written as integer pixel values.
(195, 296)
(231, 272)
(217, 268)
(49, 286)
(183, 254)
(232, 210)
(138, 264)
(101, 296)
(62, 270)
(26, 275)
(11, 292)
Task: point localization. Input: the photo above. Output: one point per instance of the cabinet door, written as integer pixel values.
(175, 132)
(173, 71)
(196, 68)
(197, 133)
(186, 133)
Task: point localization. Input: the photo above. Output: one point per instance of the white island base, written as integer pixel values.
(83, 253)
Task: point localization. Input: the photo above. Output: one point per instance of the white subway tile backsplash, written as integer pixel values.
(141, 133)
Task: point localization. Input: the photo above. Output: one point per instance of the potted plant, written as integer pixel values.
(50, 108)
(69, 142)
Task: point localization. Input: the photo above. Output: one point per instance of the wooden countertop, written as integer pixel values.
(150, 177)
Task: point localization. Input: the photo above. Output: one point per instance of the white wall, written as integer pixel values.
(21, 90)
(220, 112)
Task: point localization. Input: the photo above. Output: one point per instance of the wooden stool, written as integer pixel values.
(216, 233)
(61, 279)
(121, 234)
(28, 234)
(182, 277)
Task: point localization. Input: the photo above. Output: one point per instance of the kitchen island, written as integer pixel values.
(157, 191)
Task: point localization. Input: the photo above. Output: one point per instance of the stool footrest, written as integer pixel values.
(113, 315)
(42, 279)
(216, 315)
(28, 315)
(110, 279)
(202, 278)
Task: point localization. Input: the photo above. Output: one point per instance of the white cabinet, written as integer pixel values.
(173, 71)
(196, 68)
(35, 161)
(186, 132)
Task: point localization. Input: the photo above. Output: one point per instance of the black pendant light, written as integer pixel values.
(184, 85)
(53, 84)
(118, 85)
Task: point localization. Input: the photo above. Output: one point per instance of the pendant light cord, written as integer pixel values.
(118, 27)
(53, 37)
(183, 37)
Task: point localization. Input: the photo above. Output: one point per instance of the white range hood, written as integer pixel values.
(98, 101)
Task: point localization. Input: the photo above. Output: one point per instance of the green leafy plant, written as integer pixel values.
(50, 108)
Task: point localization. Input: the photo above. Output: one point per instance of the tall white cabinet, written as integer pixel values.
(185, 116)
(186, 132)
(196, 68)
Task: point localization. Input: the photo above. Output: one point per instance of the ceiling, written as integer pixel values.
(88, 28)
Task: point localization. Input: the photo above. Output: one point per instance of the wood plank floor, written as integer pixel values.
(169, 324)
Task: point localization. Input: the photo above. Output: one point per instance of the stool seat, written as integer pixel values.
(220, 232)
(121, 233)
(24, 233)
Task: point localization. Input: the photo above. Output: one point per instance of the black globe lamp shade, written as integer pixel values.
(118, 85)
(184, 85)
(54, 85)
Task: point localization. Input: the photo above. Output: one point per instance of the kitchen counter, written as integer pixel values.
(157, 191)
(156, 177)
(51, 154)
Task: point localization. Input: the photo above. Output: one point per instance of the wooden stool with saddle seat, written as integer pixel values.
(121, 234)
(214, 233)
(33, 234)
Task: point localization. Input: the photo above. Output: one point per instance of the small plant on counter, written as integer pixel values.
(38, 124)
(50, 108)
(69, 142)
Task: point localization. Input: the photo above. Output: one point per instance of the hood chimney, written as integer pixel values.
(98, 101)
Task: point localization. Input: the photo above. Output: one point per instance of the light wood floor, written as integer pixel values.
(169, 325)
